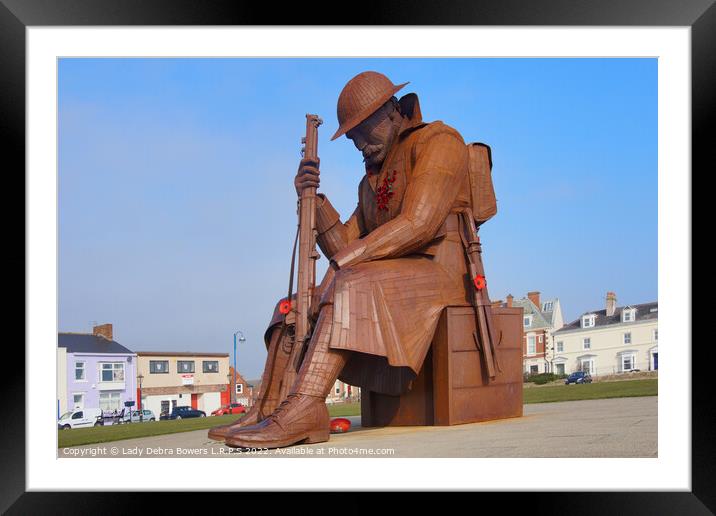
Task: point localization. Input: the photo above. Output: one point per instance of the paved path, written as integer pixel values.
(621, 427)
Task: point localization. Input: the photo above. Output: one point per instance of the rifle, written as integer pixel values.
(307, 257)
(485, 332)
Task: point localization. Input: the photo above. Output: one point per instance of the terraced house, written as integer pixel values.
(610, 341)
(174, 379)
(94, 371)
(540, 319)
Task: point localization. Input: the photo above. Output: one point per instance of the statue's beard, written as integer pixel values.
(373, 154)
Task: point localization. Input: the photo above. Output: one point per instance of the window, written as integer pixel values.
(627, 362)
(559, 368)
(560, 347)
(80, 371)
(77, 415)
(533, 369)
(239, 388)
(112, 372)
(78, 401)
(588, 321)
(210, 366)
(531, 345)
(338, 389)
(539, 339)
(185, 366)
(527, 320)
(158, 366)
(628, 315)
(587, 343)
(656, 334)
(109, 401)
(627, 338)
(547, 307)
(587, 365)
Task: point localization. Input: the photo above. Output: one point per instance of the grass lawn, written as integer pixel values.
(592, 391)
(344, 409)
(103, 434)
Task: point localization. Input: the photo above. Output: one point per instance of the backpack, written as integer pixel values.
(482, 193)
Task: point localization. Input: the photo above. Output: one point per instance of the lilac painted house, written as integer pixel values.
(98, 372)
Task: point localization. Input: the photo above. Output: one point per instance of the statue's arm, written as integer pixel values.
(438, 174)
(332, 234)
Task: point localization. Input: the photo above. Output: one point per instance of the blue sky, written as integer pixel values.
(177, 207)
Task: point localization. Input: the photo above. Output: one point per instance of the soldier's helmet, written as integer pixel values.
(361, 97)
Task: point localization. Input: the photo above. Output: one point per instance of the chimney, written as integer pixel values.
(534, 297)
(509, 300)
(611, 303)
(103, 330)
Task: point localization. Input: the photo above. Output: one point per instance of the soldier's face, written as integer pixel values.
(374, 135)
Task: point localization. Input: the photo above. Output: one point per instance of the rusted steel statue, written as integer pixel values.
(409, 250)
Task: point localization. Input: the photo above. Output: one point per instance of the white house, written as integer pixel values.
(609, 341)
(61, 381)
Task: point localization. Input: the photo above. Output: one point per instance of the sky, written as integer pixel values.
(177, 210)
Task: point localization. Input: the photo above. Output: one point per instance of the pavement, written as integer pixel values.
(618, 427)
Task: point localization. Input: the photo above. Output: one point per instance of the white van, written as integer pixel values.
(80, 418)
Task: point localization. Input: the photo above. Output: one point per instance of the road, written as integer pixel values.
(620, 427)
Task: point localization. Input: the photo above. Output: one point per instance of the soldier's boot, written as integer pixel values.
(268, 398)
(302, 417)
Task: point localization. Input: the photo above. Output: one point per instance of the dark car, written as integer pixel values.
(578, 377)
(183, 413)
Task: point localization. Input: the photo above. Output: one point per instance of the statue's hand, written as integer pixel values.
(308, 175)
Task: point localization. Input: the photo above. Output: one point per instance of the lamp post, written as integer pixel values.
(241, 339)
(140, 377)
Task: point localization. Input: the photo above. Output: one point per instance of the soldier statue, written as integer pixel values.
(395, 264)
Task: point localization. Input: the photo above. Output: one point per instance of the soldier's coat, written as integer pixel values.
(400, 263)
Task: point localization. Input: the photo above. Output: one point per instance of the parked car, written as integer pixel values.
(233, 408)
(183, 413)
(80, 418)
(147, 415)
(578, 377)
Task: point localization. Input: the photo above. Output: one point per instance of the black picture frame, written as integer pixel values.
(17, 15)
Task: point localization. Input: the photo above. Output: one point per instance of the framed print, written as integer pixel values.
(177, 119)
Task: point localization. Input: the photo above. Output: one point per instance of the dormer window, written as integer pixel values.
(588, 321)
(629, 315)
(527, 321)
(547, 307)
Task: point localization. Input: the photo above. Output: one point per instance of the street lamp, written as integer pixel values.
(241, 339)
(140, 377)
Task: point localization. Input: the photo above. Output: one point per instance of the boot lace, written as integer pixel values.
(283, 406)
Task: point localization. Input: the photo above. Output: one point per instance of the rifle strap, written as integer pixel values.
(290, 285)
(293, 265)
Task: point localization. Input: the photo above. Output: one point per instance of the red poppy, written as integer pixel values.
(285, 306)
(480, 282)
(385, 192)
(340, 425)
